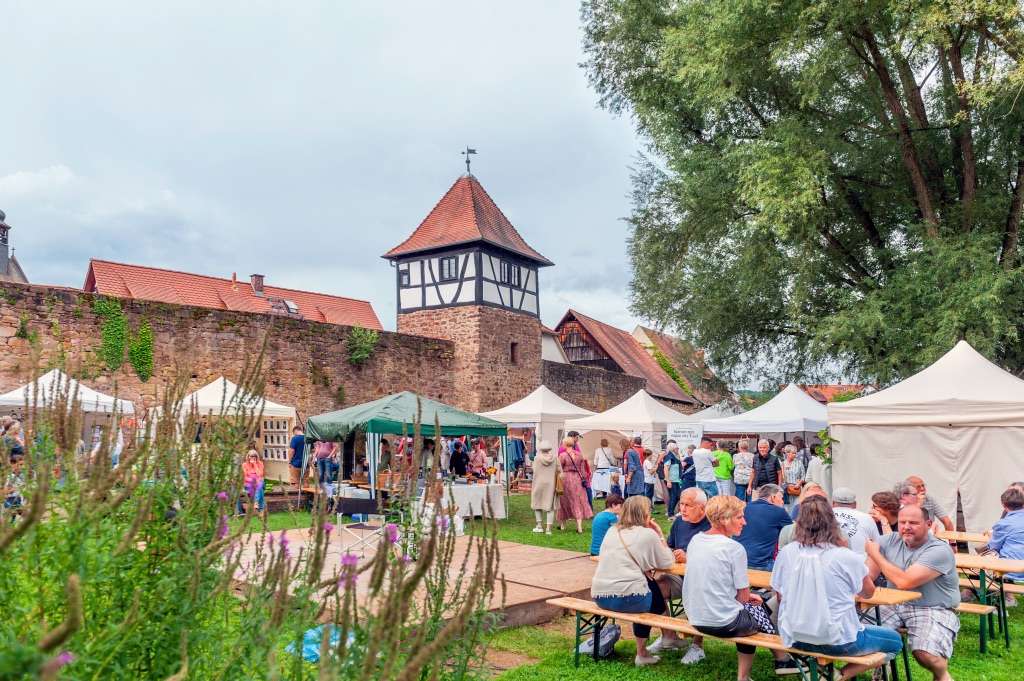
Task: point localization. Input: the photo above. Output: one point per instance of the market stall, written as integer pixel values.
(791, 412)
(641, 415)
(541, 415)
(224, 398)
(958, 424)
(99, 409)
(394, 415)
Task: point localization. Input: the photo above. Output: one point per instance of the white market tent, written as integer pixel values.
(542, 409)
(641, 413)
(224, 398)
(55, 382)
(716, 411)
(791, 411)
(958, 424)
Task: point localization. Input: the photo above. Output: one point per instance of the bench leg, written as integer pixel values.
(984, 622)
(588, 625)
(1004, 623)
(906, 658)
(813, 664)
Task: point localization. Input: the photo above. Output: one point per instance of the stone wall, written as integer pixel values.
(482, 337)
(589, 387)
(304, 366)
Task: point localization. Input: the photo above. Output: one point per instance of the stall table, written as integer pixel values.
(470, 500)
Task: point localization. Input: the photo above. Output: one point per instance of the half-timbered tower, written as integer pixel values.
(466, 275)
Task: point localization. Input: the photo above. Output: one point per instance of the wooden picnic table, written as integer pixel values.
(993, 563)
(761, 579)
(996, 567)
(968, 537)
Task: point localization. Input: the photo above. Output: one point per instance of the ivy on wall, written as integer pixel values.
(140, 351)
(360, 345)
(671, 370)
(115, 340)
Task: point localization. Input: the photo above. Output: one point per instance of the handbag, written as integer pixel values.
(559, 482)
(793, 490)
(610, 634)
(583, 480)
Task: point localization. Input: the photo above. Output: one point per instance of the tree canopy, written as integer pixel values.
(831, 184)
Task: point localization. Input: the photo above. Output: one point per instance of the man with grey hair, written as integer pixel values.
(765, 517)
(858, 526)
(690, 522)
(767, 469)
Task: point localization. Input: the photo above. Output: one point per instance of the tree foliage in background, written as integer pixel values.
(832, 184)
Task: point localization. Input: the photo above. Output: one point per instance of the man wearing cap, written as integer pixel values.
(858, 526)
(704, 463)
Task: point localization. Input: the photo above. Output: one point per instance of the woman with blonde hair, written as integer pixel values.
(716, 591)
(574, 502)
(632, 550)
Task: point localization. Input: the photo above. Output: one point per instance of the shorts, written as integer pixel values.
(931, 629)
(745, 624)
(675, 585)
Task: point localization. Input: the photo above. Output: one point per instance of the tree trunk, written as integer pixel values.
(966, 136)
(1011, 233)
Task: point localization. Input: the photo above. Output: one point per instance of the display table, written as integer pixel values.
(470, 499)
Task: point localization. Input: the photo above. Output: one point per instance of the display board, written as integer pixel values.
(685, 434)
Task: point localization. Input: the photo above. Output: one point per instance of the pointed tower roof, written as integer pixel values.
(466, 214)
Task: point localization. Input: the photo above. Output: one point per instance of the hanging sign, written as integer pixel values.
(685, 434)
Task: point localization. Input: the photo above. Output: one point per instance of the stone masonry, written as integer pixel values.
(590, 387)
(482, 336)
(304, 366)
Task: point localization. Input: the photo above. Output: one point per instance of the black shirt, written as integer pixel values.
(766, 470)
(459, 463)
(683, 531)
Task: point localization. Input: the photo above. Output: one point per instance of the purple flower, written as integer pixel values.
(392, 532)
(65, 658)
(250, 488)
(328, 528)
(442, 522)
(406, 558)
(349, 560)
(284, 545)
(222, 496)
(222, 528)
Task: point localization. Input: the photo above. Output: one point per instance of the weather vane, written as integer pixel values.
(467, 153)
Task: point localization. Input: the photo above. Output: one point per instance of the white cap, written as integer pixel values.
(544, 446)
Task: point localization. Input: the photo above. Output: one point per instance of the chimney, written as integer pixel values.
(234, 281)
(5, 259)
(257, 283)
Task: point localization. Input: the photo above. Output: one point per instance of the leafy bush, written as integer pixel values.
(360, 344)
(130, 572)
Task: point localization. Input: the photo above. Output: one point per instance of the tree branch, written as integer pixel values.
(919, 114)
(970, 186)
(1011, 232)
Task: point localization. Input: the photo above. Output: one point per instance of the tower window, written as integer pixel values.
(510, 274)
(513, 352)
(403, 277)
(448, 269)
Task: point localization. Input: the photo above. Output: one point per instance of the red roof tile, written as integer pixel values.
(631, 357)
(466, 214)
(183, 288)
(689, 362)
(826, 392)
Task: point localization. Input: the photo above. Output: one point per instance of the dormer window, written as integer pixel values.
(510, 274)
(447, 267)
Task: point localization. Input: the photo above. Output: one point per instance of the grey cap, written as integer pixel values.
(844, 495)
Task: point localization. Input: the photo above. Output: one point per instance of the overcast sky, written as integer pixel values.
(303, 140)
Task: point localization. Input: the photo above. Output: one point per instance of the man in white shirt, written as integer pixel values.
(858, 526)
(704, 463)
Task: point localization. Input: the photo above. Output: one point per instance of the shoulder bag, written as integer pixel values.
(583, 480)
(649, 574)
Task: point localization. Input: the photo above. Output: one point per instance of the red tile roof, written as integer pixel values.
(826, 392)
(466, 214)
(689, 362)
(631, 357)
(183, 288)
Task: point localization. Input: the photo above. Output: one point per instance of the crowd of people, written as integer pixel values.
(823, 551)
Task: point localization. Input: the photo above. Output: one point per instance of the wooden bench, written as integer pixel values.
(966, 583)
(975, 609)
(591, 618)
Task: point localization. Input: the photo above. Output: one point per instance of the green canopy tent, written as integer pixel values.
(394, 415)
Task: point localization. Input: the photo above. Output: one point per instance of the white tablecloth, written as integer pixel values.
(470, 499)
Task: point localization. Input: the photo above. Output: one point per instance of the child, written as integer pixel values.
(15, 482)
(252, 477)
(615, 488)
(603, 522)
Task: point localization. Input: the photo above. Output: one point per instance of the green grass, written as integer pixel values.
(518, 527)
(553, 652)
(282, 520)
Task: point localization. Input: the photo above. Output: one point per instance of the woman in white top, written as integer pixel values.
(716, 591)
(650, 473)
(633, 548)
(604, 466)
(820, 547)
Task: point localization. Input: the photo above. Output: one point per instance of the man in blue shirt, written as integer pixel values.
(1008, 532)
(296, 447)
(603, 522)
(765, 519)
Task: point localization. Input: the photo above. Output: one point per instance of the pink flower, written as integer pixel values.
(349, 561)
(65, 658)
(222, 496)
(328, 528)
(406, 558)
(284, 545)
(442, 522)
(392, 532)
(222, 528)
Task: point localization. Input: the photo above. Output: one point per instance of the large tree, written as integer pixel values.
(831, 184)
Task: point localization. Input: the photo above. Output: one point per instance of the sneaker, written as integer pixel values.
(538, 529)
(547, 531)
(667, 644)
(786, 667)
(644, 661)
(694, 655)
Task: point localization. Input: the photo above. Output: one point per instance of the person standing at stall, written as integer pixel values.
(574, 502)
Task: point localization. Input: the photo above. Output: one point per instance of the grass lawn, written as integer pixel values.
(282, 520)
(552, 651)
(518, 527)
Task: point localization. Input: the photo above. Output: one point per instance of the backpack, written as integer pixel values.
(610, 634)
(807, 577)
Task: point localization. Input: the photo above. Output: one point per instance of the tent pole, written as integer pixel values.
(372, 447)
(505, 472)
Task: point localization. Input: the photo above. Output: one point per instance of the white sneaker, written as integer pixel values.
(663, 643)
(644, 661)
(538, 529)
(694, 655)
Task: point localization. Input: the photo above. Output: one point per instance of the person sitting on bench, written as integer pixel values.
(632, 549)
(915, 560)
(716, 591)
(816, 579)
